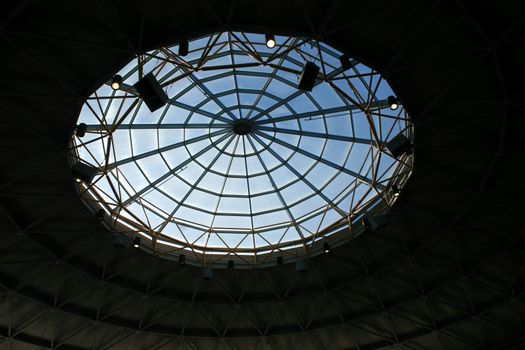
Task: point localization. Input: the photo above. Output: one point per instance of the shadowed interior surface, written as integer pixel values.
(446, 273)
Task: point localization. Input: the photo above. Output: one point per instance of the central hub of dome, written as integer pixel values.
(242, 127)
(244, 163)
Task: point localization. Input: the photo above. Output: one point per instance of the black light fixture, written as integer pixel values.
(182, 259)
(83, 172)
(395, 190)
(399, 145)
(116, 82)
(207, 273)
(270, 41)
(136, 242)
(280, 260)
(230, 264)
(393, 102)
(100, 214)
(326, 247)
(81, 130)
(184, 47)
(308, 76)
(151, 92)
(345, 62)
(373, 223)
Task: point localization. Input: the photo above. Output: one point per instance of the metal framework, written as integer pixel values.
(240, 164)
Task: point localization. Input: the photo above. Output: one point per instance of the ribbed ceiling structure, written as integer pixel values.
(446, 273)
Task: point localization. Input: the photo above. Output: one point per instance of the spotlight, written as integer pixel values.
(395, 191)
(374, 223)
(116, 82)
(151, 92)
(136, 242)
(270, 41)
(184, 47)
(393, 102)
(100, 214)
(308, 76)
(81, 130)
(280, 260)
(207, 273)
(346, 64)
(83, 172)
(182, 259)
(326, 247)
(399, 145)
(300, 266)
(230, 264)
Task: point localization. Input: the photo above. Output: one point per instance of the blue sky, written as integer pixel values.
(310, 160)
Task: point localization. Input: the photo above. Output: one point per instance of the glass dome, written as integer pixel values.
(240, 164)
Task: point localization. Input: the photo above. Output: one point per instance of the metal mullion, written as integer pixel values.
(172, 171)
(257, 57)
(136, 68)
(249, 194)
(210, 115)
(171, 126)
(166, 148)
(210, 95)
(354, 89)
(265, 87)
(303, 179)
(194, 185)
(278, 193)
(222, 190)
(372, 93)
(235, 80)
(116, 124)
(207, 49)
(345, 108)
(294, 45)
(317, 158)
(363, 81)
(321, 57)
(94, 112)
(365, 111)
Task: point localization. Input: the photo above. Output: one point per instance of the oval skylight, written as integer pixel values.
(240, 164)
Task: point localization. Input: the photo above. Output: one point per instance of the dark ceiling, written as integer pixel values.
(447, 273)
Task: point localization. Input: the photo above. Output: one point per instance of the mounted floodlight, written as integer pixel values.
(374, 223)
(83, 172)
(116, 82)
(399, 145)
(300, 266)
(151, 92)
(393, 102)
(182, 259)
(230, 264)
(184, 47)
(270, 41)
(207, 273)
(100, 214)
(326, 247)
(136, 242)
(346, 63)
(280, 260)
(395, 191)
(81, 130)
(308, 76)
